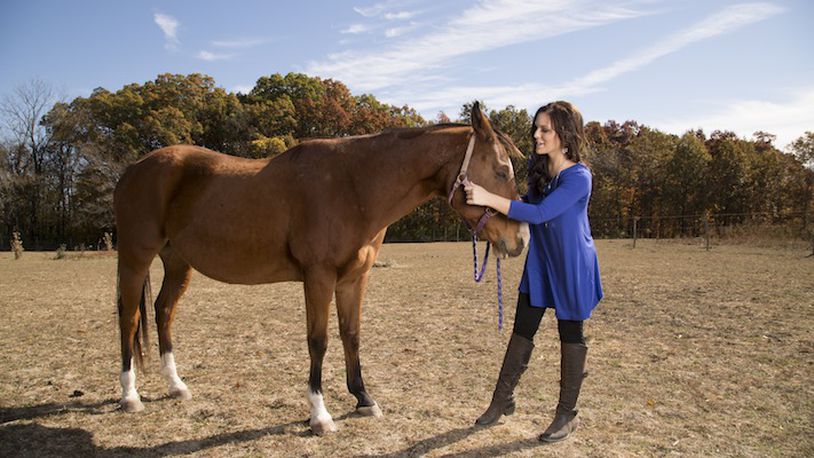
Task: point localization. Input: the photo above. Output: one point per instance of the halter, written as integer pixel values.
(463, 180)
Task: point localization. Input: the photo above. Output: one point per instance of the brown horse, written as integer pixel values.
(316, 214)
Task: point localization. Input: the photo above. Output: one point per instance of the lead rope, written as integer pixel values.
(479, 276)
(461, 180)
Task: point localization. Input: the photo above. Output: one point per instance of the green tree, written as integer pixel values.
(650, 151)
(26, 155)
(686, 179)
(728, 173)
(803, 148)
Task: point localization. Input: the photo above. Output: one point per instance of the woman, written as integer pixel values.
(562, 270)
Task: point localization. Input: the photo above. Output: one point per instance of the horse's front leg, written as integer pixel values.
(319, 287)
(349, 295)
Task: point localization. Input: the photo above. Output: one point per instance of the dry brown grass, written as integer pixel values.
(692, 353)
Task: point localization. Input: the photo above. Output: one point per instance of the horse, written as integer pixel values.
(315, 214)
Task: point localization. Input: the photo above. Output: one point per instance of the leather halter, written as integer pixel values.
(462, 180)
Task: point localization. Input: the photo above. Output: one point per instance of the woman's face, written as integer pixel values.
(546, 140)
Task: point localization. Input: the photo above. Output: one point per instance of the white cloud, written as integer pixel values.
(400, 15)
(355, 28)
(726, 21)
(242, 88)
(398, 31)
(489, 25)
(788, 120)
(240, 43)
(210, 56)
(378, 8)
(446, 98)
(169, 25)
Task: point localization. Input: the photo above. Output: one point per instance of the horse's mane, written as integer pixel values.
(412, 132)
(407, 133)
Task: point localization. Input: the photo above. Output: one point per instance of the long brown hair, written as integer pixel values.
(568, 124)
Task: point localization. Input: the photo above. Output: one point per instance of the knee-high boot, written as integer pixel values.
(572, 368)
(515, 363)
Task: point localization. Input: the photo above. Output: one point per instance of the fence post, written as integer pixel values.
(706, 232)
(635, 223)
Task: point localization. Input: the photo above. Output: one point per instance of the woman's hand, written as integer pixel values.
(476, 195)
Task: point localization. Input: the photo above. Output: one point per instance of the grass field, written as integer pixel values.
(691, 353)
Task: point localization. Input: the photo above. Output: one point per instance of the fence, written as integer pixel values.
(426, 227)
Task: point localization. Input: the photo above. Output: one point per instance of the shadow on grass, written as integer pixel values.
(29, 440)
(456, 435)
(53, 408)
(24, 440)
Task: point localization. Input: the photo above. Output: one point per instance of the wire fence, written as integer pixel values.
(718, 226)
(707, 227)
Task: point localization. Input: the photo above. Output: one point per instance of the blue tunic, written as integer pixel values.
(562, 270)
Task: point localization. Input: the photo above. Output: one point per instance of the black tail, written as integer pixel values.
(141, 340)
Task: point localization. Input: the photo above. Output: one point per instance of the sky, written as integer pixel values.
(672, 65)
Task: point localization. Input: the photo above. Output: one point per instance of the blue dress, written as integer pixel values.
(562, 270)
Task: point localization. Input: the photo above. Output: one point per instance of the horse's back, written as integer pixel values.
(213, 209)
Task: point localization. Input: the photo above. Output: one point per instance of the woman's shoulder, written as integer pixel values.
(578, 176)
(578, 166)
(578, 169)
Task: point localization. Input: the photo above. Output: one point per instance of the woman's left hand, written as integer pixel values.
(476, 195)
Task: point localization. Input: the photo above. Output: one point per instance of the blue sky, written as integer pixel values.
(673, 65)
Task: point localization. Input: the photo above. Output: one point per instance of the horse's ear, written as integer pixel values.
(481, 123)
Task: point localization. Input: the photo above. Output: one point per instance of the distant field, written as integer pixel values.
(691, 353)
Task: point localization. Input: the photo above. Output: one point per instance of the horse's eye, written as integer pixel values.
(503, 175)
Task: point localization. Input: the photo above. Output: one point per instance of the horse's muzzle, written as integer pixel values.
(520, 242)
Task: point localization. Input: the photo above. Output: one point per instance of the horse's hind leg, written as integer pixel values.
(349, 309)
(132, 275)
(176, 279)
(319, 286)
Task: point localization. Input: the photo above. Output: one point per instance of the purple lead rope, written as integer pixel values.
(463, 180)
(499, 296)
(479, 276)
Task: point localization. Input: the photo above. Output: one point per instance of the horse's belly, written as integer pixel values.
(236, 261)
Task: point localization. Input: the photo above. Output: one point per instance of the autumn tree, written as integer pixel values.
(25, 155)
(686, 180)
(803, 148)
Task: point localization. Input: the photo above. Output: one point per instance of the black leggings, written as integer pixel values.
(527, 321)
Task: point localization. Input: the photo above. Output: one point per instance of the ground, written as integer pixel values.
(692, 352)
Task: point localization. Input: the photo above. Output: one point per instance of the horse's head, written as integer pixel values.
(490, 166)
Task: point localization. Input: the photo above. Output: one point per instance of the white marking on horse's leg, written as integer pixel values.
(177, 388)
(321, 421)
(131, 401)
(370, 411)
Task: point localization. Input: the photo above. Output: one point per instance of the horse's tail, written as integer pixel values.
(144, 342)
(141, 339)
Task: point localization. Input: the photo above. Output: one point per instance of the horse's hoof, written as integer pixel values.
(131, 405)
(182, 394)
(369, 411)
(320, 428)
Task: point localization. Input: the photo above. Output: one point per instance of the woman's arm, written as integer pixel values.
(476, 195)
(573, 187)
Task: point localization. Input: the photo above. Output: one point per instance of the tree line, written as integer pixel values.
(60, 160)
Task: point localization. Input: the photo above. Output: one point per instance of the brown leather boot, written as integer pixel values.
(572, 369)
(515, 363)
